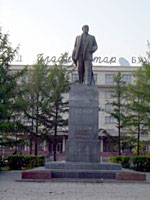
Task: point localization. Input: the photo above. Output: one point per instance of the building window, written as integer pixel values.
(109, 79)
(109, 120)
(108, 107)
(75, 78)
(124, 129)
(110, 131)
(126, 78)
(109, 95)
(95, 78)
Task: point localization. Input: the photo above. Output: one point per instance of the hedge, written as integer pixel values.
(33, 161)
(141, 163)
(123, 160)
(16, 162)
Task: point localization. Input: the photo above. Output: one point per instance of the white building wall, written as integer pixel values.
(100, 73)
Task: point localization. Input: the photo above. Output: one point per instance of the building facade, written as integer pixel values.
(104, 80)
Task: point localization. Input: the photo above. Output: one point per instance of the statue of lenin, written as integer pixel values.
(85, 46)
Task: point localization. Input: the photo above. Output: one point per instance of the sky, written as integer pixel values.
(121, 27)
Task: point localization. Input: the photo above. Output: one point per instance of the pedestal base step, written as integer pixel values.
(82, 166)
(83, 174)
(92, 174)
(37, 174)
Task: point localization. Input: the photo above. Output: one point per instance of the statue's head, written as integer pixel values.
(85, 28)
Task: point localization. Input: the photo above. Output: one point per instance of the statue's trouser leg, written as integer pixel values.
(88, 72)
(80, 65)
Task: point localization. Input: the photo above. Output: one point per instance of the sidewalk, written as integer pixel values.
(10, 189)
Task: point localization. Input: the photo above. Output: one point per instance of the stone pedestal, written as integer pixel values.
(83, 144)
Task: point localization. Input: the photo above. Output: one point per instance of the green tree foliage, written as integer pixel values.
(138, 102)
(55, 106)
(31, 101)
(44, 102)
(117, 110)
(8, 91)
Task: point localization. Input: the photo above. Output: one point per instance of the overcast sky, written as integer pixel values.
(121, 27)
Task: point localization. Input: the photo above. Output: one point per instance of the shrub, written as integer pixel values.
(41, 160)
(123, 160)
(141, 163)
(31, 161)
(15, 161)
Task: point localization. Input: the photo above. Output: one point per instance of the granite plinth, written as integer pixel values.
(83, 144)
(84, 174)
(83, 170)
(82, 151)
(82, 166)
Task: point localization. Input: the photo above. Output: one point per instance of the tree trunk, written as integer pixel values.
(36, 145)
(119, 127)
(36, 136)
(119, 141)
(30, 140)
(16, 144)
(55, 153)
(55, 143)
(31, 136)
(55, 132)
(138, 140)
(49, 147)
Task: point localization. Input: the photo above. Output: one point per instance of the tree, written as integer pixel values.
(8, 91)
(117, 110)
(138, 102)
(31, 101)
(142, 76)
(54, 108)
(44, 100)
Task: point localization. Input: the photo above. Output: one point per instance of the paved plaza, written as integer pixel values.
(11, 189)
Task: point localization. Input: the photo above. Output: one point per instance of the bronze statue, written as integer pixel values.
(85, 46)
